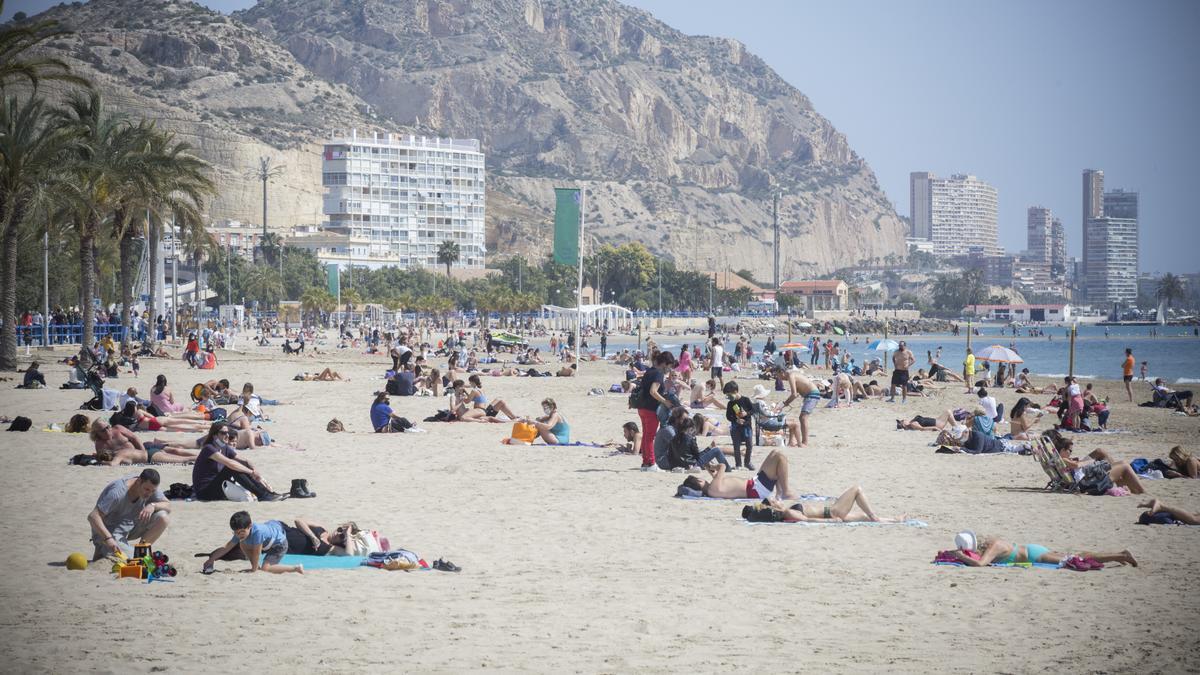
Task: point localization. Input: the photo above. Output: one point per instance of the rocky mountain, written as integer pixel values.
(680, 140)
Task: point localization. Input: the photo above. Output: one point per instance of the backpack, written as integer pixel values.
(20, 423)
(1095, 480)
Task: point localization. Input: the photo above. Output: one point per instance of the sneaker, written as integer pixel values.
(651, 467)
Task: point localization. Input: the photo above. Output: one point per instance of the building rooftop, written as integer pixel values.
(343, 137)
(817, 285)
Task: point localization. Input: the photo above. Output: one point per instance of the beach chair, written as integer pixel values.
(1061, 478)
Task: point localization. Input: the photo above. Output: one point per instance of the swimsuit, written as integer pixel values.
(561, 432)
(811, 400)
(151, 450)
(760, 487)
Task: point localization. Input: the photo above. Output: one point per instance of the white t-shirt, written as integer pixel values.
(1073, 390)
(718, 356)
(988, 404)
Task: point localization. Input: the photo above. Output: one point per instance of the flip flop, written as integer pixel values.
(445, 566)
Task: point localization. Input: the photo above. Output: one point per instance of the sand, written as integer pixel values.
(575, 561)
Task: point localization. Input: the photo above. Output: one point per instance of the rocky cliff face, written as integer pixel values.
(679, 140)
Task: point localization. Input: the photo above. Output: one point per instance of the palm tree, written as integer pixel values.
(264, 172)
(18, 66)
(106, 157)
(1170, 287)
(316, 300)
(270, 247)
(448, 254)
(32, 150)
(264, 284)
(176, 183)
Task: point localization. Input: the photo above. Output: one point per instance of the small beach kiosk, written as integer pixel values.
(616, 317)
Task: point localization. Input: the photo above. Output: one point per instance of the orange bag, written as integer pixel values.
(526, 433)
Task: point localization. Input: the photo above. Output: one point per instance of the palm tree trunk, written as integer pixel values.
(152, 276)
(8, 301)
(87, 278)
(125, 251)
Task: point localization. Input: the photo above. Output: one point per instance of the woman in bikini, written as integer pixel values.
(838, 511)
(135, 418)
(995, 550)
(1023, 416)
(480, 402)
(705, 396)
(464, 408)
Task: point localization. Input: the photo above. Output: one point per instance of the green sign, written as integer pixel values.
(566, 225)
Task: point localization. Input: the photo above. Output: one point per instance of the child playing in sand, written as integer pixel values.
(259, 541)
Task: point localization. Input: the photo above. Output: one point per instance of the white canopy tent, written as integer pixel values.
(615, 317)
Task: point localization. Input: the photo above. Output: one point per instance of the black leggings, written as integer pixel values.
(214, 492)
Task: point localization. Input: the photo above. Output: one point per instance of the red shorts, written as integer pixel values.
(152, 424)
(751, 493)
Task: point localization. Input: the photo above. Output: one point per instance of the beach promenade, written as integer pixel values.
(575, 561)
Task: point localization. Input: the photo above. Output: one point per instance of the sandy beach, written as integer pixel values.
(575, 561)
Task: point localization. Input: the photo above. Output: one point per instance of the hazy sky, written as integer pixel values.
(1024, 94)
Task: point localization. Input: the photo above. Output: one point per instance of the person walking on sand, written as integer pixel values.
(1127, 373)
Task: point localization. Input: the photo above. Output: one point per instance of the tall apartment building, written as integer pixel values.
(1093, 205)
(1111, 251)
(397, 198)
(920, 204)
(1039, 237)
(1058, 249)
(963, 218)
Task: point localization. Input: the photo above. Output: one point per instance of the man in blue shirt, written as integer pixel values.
(259, 541)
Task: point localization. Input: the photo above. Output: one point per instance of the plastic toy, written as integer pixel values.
(77, 561)
(150, 565)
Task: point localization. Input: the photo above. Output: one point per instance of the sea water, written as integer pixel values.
(1174, 354)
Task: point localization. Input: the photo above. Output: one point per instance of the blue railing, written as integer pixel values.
(66, 333)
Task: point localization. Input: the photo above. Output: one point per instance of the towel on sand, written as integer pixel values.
(323, 562)
(911, 522)
(1044, 566)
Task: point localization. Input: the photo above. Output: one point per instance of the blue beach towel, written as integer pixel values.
(323, 562)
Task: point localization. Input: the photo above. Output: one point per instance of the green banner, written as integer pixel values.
(333, 274)
(566, 225)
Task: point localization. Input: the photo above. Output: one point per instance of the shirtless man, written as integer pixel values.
(800, 386)
(772, 478)
(901, 361)
(842, 384)
(117, 445)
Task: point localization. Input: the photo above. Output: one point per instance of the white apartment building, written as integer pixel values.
(1111, 251)
(1039, 238)
(963, 216)
(919, 204)
(396, 198)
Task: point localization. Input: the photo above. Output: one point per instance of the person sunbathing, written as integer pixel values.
(327, 375)
(134, 418)
(1120, 472)
(704, 395)
(1183, 464)
(771, 479)
(480, 402)
(923, 423)
(633, 439)
(464, 408)
(838, 511)
(996, 550)
(1179, 515)
(706, 426)
(568, 371)
(155, 452)
(1023, 416)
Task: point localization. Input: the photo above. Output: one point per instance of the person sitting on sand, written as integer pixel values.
(837, 511)
(480, 402)
(463, 406)
(1023, 416)
(265, 541)
(129, 509)
(704, 395)
(939, 372)
(327, 375)
(684, 453)
(162, 398)
(218, 463)
(1121, 473)
(771, 479)
(33, 378)
(996, 550)
(552, 427)
(383, 419)
(1178, 515)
